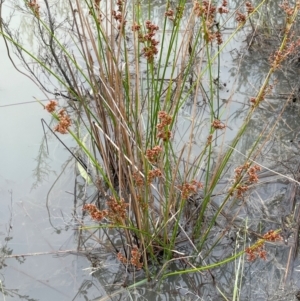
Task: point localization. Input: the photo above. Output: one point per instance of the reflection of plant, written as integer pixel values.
(43, 169)
(6, 251)
(128, 99)
(14, 293)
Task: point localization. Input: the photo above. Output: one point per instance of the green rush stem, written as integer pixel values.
(175, 229)
(203, 268)
(168, 175)
(218, 87)
(101, 36)
(173, 37)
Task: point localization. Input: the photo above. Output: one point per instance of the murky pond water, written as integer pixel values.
(42, 194)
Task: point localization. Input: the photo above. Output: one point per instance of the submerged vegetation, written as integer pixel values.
(117, 82)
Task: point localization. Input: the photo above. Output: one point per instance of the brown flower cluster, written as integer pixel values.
(238, 171)
(150, 49)
(279, 56)
(94, 212)
(257, 100)
(51, 106)
(208, 11)
(251, 171)
(174, 17)
(286, 7)
(135, 259)
(33, 5)
(188, 189)
(223, 9)
(253, 178)
(153, 154)
(122, 258)
(155, 173)
(116, 213)
(64, 122)
(142, 204)
(219, 39)
(163, 127)
(272, 236)
(240, 190)
(117, 210)
(218, 125)
(135, 27)
(249, 7)
(170, 14)
(118, 14)
(209, 139)
(258, 250)
(253, 100)
(205, 10)
(240, 17)
(97, 9)
(179, 12)
(138, 179)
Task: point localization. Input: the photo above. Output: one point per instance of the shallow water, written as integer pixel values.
(40, 210)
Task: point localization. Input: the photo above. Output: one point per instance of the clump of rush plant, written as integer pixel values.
(125, 80)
